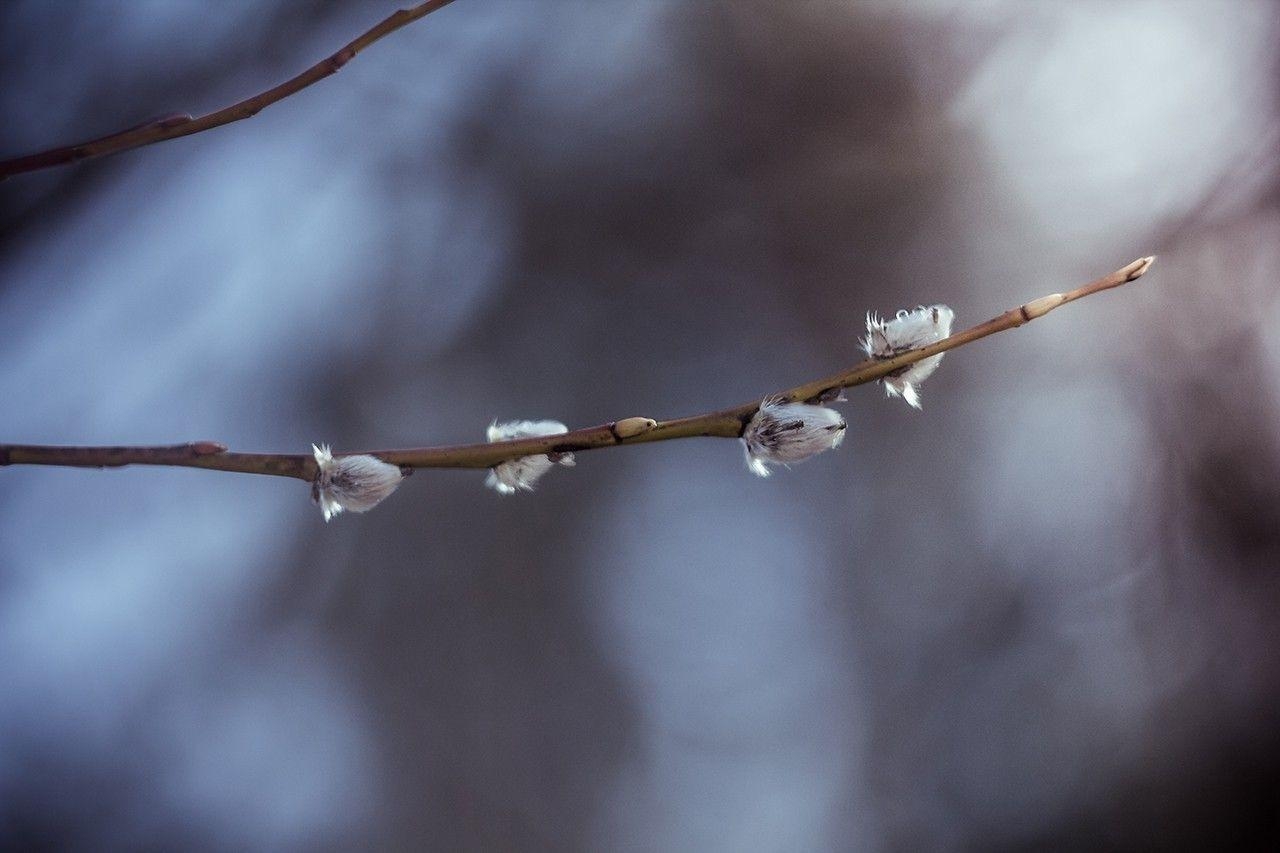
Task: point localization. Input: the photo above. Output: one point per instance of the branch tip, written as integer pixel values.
(1139, 267)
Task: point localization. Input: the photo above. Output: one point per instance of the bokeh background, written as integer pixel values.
(1040, 614)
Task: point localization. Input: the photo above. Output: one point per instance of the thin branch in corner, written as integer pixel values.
(554, 443)
(174, 125)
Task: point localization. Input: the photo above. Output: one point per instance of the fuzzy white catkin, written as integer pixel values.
(521, 474)
(355, 483)
(907, 331)
(781, 433)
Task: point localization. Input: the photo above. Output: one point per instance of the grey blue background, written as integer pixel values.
(1039, 614)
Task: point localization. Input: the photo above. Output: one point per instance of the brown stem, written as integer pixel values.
(727, 423)
(182, 124)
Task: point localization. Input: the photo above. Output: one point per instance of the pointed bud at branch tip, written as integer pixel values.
(630, 427)
(1139, 267)
(354, 483)
(506, 478)
(781, 433)
(1124, 275)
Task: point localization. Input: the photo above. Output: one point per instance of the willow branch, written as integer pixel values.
(726, 423)
(174, 125)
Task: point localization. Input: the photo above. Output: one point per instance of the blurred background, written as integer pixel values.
(1039, 614)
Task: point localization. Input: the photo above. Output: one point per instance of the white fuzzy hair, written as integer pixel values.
(521, 474)
(355, 483)
(907, 331)
(781, 433)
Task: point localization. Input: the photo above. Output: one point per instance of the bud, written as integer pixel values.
(907, 331)
(355, 483)
(631, 427)
(506, 477)
(782, 433)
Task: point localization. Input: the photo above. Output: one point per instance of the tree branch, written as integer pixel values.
(727, 423)
(173, 125)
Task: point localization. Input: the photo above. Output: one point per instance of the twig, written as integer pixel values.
(727, 423)
(173, 125)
